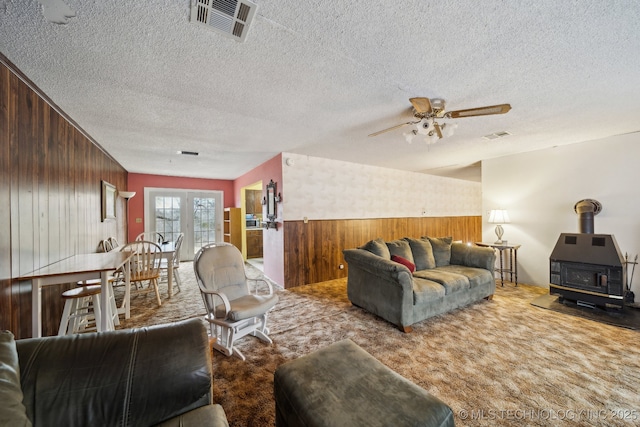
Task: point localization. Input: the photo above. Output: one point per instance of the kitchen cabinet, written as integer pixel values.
(254, 243)
(253, 199)
(233, 227)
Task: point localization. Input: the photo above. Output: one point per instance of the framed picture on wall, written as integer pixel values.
(108, 201)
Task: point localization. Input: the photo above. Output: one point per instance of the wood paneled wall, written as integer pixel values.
(50, 197)
(313, 251)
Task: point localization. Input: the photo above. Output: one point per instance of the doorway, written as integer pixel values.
(252, 211)
(196, 213)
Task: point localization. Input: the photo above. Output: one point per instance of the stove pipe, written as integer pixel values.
(586, 210)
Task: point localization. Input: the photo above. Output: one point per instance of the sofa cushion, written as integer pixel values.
(411, 266)
(209, 415)
(441, 249)
(127, 377)
(247, 306)
(425, 291)
(422, 253)
(459, 254)
(476, 276)
(377, 247)
(472, 256)
(12, 411)
(452, 282)
(400, 248)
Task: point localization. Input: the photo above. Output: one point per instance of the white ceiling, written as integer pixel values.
(315, 77)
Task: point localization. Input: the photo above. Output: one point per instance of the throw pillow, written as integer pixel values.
(411, 266)
(12, 411)
(459, 253)
(441, 250)
(401, 248)
(377, 247)
(422, 253)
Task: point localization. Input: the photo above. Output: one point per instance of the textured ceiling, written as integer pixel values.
(315, 77)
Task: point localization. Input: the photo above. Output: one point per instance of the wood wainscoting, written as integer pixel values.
(50, 197)
(313, 250)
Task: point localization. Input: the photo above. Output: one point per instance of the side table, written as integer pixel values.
(511, 255)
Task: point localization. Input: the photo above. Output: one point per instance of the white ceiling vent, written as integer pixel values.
(497, 135)
(228, 17)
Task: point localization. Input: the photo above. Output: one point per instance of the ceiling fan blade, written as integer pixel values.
(438, 130)
(421, 105)
(481, 111)
(392, 128)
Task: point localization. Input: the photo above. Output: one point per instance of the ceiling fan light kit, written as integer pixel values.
(425, 126)
(428, 110)
(432, 131)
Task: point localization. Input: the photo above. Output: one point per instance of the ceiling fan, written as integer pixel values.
(427, 111)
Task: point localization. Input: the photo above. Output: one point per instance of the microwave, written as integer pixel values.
(252, 223)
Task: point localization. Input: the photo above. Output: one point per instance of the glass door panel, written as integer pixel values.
(204, 222)
(197, 214)
(168, 217)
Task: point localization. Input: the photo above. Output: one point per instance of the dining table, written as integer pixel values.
(168, 249)
(73, 269)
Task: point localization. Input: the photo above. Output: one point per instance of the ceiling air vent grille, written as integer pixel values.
(497, 135)
(228, 17)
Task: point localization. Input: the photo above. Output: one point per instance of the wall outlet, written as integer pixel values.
(305, 220)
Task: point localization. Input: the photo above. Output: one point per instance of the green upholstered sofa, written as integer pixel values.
(447, 276)
(160, 375)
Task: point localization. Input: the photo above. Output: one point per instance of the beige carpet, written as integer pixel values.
(496, 363)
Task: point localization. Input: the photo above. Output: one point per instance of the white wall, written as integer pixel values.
(540, 189)
(319, 188)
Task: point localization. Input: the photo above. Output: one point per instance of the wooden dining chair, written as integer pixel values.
(144, 265)
(151, 236)
(105, 246)
(113, 242)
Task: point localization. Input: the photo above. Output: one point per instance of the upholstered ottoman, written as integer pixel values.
(343, 385)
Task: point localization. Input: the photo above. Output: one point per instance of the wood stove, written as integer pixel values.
(588, 268)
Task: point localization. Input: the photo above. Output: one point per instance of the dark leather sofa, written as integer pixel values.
(159, 375)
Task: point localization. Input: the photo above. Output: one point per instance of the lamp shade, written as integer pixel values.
(499, 216)
(126, 194)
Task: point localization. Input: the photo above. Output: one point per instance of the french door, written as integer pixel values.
(197, 214)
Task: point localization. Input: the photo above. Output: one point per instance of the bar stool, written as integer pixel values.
(81, 308)
(112, 297)
(107, 245)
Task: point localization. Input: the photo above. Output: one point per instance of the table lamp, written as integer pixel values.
(499, 217)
